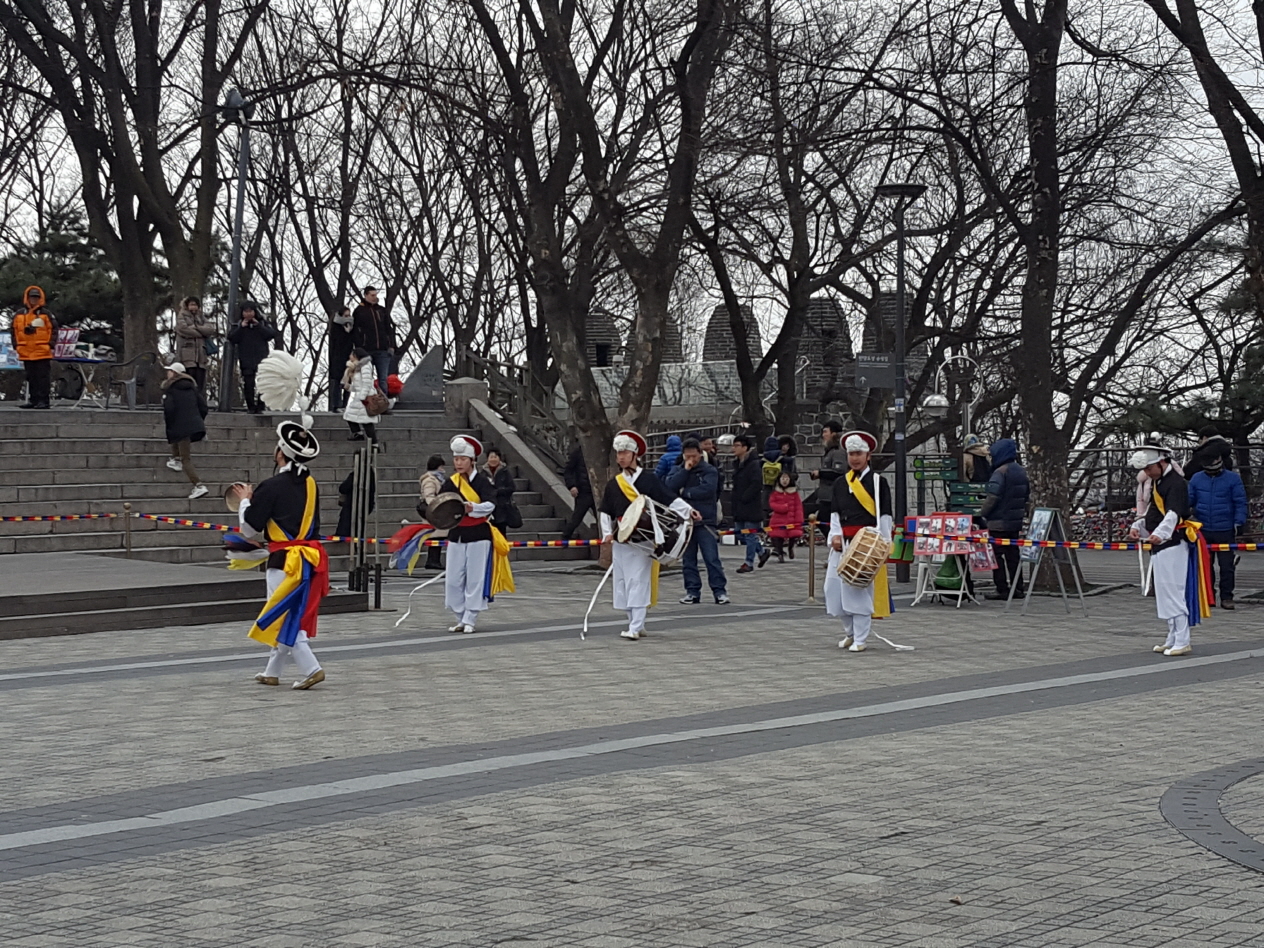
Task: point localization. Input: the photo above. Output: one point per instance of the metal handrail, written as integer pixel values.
(514, 398)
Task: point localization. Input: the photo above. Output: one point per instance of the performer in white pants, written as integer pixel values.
(466, 590)
(1164, 525)
(285, 511)
(860, 499)
(635, 572)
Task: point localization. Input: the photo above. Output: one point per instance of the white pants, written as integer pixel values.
(1171, 570)
(854, 606)
(301, 653)
(633, 572)
(463, 585)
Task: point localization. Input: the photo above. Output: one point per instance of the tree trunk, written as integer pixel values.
(1046, 459)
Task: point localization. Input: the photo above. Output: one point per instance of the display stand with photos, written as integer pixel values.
(931, 550)
(1046, 524)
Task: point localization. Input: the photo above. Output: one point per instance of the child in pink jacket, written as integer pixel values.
(787, 516)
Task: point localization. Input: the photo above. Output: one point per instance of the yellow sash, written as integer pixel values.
(631, 493)
(502, 575)
(1191, 527)
(881, 585)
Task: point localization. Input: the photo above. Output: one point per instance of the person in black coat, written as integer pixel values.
(748, 500)
(1212, 446)
(575, 477)
(184, 411)
(341, 343)
(374, 331)
(503, 483)
(253, 339)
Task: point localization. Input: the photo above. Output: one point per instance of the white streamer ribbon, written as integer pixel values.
(583, 633)
(434, 579)
(898, 648)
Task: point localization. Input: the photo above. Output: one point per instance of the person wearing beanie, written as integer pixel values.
(253, 339)
(1218, 501)
(184, 413)
(1211, 446)
(34, 334)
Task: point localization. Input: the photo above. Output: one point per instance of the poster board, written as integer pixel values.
(64, 347)
(932, 527)
(1046, 524)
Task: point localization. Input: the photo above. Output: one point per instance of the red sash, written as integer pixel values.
(319, 586)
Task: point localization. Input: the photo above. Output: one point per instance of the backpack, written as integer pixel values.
(772, 471)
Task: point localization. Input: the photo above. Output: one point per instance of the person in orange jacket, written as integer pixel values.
(34, 332)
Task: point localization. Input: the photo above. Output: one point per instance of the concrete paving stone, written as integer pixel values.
(962, 798)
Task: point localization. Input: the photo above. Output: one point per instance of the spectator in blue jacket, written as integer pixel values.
(1217, 499)
(698, 483)
(1003, 513)
(670, 457)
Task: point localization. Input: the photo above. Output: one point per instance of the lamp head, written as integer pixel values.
(906, 190)
(936, 405)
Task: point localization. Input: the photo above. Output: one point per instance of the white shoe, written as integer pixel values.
(845, 643)
(175, 464)
(459, 627)
(1161, 648)
(629, 634)
(856, 648)
(200, 491)
(1183, 650)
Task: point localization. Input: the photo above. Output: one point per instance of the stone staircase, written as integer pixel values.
(77, 461)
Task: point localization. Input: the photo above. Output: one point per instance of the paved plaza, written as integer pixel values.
(733, 779)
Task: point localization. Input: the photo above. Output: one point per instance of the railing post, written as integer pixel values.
(127, 529)
(812, 559)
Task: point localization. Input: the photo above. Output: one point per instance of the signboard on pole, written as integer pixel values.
(875, 370)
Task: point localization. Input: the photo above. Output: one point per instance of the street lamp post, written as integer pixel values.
(904, 195)
(235, 109)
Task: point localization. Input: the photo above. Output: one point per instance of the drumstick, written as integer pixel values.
(583, 633)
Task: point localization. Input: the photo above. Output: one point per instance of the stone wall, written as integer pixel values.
(720, 345)
(826, 344)
(604, 343)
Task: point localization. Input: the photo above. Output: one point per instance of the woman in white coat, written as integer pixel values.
(358, 381)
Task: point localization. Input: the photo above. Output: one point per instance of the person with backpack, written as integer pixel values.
(748, 508)
(786, 524)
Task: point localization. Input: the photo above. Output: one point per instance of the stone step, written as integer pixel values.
(339, 560)
(157, 615)
(173, 498)
(14, 417)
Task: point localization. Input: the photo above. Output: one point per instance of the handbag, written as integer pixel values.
(513, 517)
(376, 403)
